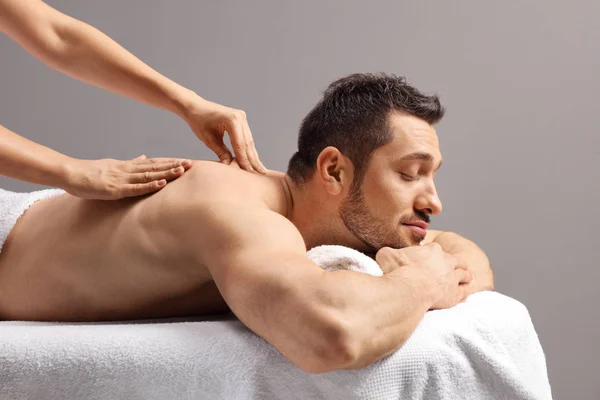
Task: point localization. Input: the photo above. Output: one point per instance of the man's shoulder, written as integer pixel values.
(218, 185)
(212, 180)
(233, 231)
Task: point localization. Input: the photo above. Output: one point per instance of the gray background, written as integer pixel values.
(520, 143)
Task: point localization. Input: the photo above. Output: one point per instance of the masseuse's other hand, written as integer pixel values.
(115, 179)
(210, 121)
(445, 277)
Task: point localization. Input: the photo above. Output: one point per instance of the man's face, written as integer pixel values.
(397, 189)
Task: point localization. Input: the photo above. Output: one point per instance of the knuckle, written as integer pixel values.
(385, 253)
(240, 114)
(435, 246)
(235, 116)
(113, 191)
(241, 145)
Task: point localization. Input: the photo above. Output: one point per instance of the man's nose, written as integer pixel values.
(429, 202)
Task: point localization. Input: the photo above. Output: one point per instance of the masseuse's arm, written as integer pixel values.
(92, 179)
(467, 251)
(85, 53)
(321, 321)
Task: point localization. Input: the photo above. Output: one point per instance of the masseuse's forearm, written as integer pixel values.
(25, 160)
(85, 53)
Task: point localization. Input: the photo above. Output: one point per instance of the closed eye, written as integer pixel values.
(408, 177)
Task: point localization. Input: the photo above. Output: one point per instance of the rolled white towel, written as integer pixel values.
(332, 257)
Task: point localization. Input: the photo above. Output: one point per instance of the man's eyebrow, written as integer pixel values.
(420, 156)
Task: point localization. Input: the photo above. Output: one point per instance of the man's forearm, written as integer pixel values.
(476, 260)
(380, 312)
(83, 52)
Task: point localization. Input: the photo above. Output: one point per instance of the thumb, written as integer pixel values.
(221, 150)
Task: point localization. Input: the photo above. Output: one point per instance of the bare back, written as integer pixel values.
(73, 259)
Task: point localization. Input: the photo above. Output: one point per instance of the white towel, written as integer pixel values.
(484, 348)
(13, 205)
(331, 258)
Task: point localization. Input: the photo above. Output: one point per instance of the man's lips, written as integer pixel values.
(418, 227)
(420, 224)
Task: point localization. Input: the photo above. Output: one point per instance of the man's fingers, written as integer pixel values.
(147, 177)
(457, 262)
(463, 275)
(140, 189)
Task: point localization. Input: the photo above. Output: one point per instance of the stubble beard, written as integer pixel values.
(370, 229)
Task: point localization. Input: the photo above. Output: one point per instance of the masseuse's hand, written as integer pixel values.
(210, 121)
(115, 179)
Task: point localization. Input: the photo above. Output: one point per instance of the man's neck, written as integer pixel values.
(309, 214)
(297, 211)
(287, 184)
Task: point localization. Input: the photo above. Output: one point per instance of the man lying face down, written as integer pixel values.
(220, 238)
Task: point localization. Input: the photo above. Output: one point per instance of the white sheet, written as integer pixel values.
(485, 348)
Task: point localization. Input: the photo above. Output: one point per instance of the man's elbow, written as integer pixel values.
(489, 279)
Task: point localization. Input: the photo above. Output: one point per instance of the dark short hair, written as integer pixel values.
(353, 116)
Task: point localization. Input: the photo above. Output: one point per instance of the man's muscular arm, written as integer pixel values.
(320, 321)
(465, 250)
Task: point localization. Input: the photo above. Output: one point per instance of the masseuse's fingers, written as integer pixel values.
(243, 145)
(140, 189)
(209, 121)
(238, 142)
(219, 147)
(147, 177)
(160, 166)
(142, 160)
(110, 179)
(251, 149)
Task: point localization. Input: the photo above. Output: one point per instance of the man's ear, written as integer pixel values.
(334, 170)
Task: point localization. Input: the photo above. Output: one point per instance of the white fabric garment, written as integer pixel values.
(484, 348)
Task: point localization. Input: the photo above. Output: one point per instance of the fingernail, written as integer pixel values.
(186, 163)
(177, 170)
(162, 182)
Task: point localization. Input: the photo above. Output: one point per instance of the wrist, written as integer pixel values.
(64, 173)
(417, 283)
(183, 102)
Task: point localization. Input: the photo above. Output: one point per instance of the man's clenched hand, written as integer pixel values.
(443, 277)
